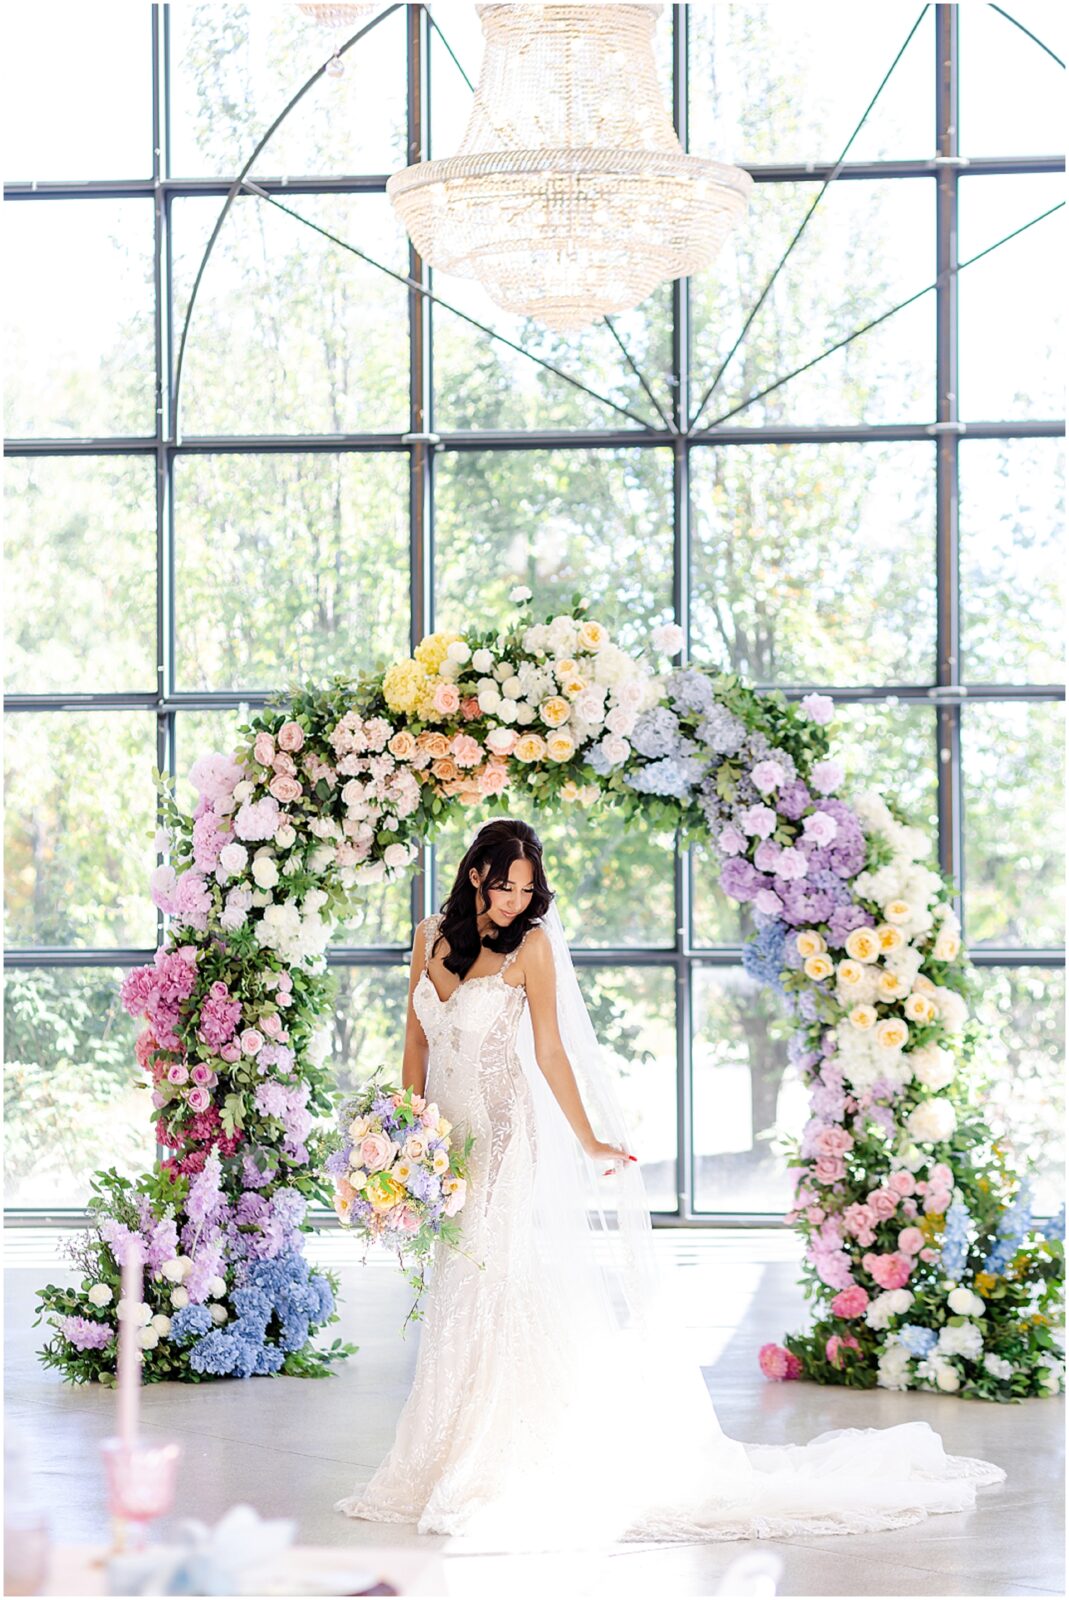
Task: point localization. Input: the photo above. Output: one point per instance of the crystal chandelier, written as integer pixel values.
(570, 195)
(336, 18)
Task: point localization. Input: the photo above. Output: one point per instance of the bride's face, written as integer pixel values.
(505, 904)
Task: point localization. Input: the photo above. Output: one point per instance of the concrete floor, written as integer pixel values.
(291, 1448)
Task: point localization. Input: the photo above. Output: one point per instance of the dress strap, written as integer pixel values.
(510, 958)
(430, 929)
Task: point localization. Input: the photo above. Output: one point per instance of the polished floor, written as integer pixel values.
(290, 1448)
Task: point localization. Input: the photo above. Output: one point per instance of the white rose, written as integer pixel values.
(265, 871)
(233, 858)
(507, 709)
(148, 1338)
(286, 836)
(100, 1295)
(964, 1303)
(217, 1288)
(139, 1313)
(179, 1297)
(482, 660)
(503, 670)
(395, 855)
(320, 858)
(489, 701)
(174, 1270)
(512, 687)
(459, 651)
(525, 713)
(370, 872)
(219, 1314)
(615, 748)
(947, 1378)
(932, 1122)
(242, 791)
(519, 594)
(953, 1011)
(667, 640)
(947, 946)
(161, 1324)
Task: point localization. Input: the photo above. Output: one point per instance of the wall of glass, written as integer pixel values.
(348, 465)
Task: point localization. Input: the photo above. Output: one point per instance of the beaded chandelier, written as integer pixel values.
(570, 195)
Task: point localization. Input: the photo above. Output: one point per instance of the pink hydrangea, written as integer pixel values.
(216, 776)
(209, 837)
(257, 819)
(778, 1364)
(191, 901)
(850, 1302)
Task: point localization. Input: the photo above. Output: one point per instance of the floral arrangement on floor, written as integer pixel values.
(398, 1178)
(902, 1196)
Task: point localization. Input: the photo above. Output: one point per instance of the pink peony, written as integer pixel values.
(777, 1363)
(909, 1207)
(860, 1220)
(731, 841)
(836, 1345)
(850, 1302)
(940, 1176)
(910, 1240)
(890, 1271)
(290, 736)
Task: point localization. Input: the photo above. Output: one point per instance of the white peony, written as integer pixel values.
(893, 1367)
(161, 1324)
(933, 1066)
(932, 1122)
(519, 594)
(100, 1295)
(489, 701)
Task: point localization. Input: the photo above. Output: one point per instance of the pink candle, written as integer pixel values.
(129, 1347)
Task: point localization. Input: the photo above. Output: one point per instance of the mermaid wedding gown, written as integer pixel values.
(517, 1434)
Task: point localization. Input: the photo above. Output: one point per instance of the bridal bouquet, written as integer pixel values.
(399, 1179)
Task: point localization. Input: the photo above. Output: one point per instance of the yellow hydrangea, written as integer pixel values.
(431, 651)
(405, 686)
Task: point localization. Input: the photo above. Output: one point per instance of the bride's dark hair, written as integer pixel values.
(496, 845)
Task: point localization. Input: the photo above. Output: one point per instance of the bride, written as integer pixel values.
(553, 1402)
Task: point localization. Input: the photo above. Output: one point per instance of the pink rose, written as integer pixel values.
(836, 1346)
(346, 854)
(264, 749)
(290, 736)
(409, 1219)
(860, 1219)
(777, 1363)
(928, 1254)
(902, 1182)
(501, 741)
(814, 1214)
(199, 1099)
(376, 1151)
(284, 765)
(834, 1141)
(492, 779)
(251, 1041)
(828, 1169)
(940, 1176)
(889, 1271)
(177, 1073)
(202, 1074)
(446, 698)
(219, 991)
(936, 1201)
(272, 1025)
(157, 1099)
(910, 1240)
(850, 1302)
(884, 1203)
(231, 1051)
(285, 789)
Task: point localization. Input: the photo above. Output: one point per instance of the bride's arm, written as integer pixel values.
(414, 1062)
(541, 980)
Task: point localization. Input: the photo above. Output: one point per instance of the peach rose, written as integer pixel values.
(470, 708)
(467, 752)
(376, 1151)
(290, 736)
(530, 747)
(285, 789)
(433, 743)
(560, 747)
(446, 699)
(445, 769)
(493, 778)
(402, 745)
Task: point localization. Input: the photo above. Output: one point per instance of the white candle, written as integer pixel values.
(129, 1348)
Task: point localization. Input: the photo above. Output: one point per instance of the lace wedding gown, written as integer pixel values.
(516, 1434)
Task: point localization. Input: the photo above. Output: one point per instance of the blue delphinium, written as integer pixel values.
(1054, 1227)
(955, 1241)
(917, 1340)
(762, 955)
(1013, 1224)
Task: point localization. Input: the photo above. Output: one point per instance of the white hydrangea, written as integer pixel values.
(998, 1366)
(939, 1372)
(932, 1122)
(961, 1339)
(892, 1303)
(893, 1368)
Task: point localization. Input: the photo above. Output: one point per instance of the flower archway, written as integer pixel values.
(922, 1260)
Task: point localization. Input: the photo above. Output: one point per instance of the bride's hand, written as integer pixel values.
(608, 1152)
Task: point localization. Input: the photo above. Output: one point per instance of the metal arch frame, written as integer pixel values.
(421, 444)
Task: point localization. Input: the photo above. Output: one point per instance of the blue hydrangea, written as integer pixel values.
(278, 1294)
(762, 955)
(690, 689)
(1013, 1224)
(189, 1320)
(672, 775)
(656, 733)
(955, 1242)
(721, 731)
(917, 1340)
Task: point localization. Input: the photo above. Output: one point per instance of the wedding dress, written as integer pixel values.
(541, 1417)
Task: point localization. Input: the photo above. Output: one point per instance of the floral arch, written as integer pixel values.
(922, 1260)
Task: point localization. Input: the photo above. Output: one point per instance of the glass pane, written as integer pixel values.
(1018, 290)
(235, 67)
(868, 247)
(81, 574)
(78, 106)
(369, 1024)
(79, 828)
(744, 1089)
(1012, 560)
(291, 333)
(796, 90)
(1012, 761)
(613, 880)
(78, 327)
(633, 1012)
(74, 1097)
(539, 517)
(1024, 1007)
(815, 562)
(290, 567)
(1012, 93)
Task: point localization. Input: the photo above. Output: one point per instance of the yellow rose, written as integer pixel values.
(889, 936)
(863, 1017)
(530, 747)
(592, 636)
(892, 1033)
(818, 967)
(891, 986)
(432, 651)
(850, 973)
(569, 790)
(810, 942)
(384, 1192)
(560, 747)
(862, 944)
(574, 685)
(919, 1008)
(554, 711)
(898, 911)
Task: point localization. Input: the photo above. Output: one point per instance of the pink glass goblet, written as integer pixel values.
(141, 1487)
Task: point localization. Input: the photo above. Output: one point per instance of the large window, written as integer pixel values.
(345, 465)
